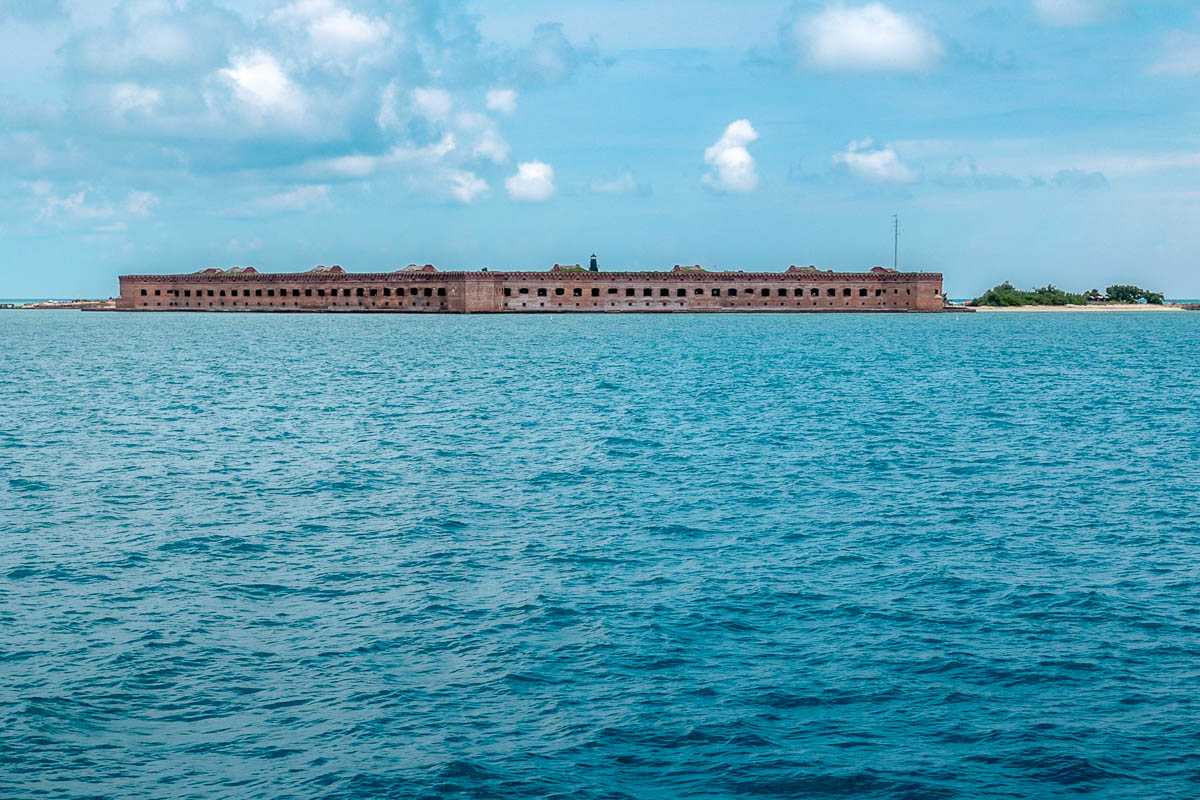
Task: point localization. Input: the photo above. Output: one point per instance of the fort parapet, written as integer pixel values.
(425, 289)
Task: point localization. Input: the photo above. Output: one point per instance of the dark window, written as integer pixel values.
(308, 292)
(507, 292)
(664, 292)
(612, 290)
(523, 290)
(716, 292)
(345, 292)
(798, 292)
(862, 292)
(577, 292)
(222, 293)
(429, 291)
(374, 292)
(908, 291)
(270, 292)
(732, 293)
(542, 292)
(629, 292)
(765, 292)
(783, 292)
(595, 292)
(878, 292)
(681, 293)
(846, 292)
(699, 290)
(831, 292)
(158, 293)
(359, 291)
(258, 292)
(647, 292)
(320, 292)
(442, 291)
(814, 292)
(558, 291)
(413, 291)
(144, 293)
(187, 292)
(387, 292)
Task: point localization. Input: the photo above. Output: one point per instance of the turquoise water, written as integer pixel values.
(703, 556)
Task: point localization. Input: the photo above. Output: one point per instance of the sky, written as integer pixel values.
(1035, 141)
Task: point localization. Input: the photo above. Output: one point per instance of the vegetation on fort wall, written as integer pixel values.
(1008, 295)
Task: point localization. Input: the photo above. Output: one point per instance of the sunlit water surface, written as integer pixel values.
(692, 556)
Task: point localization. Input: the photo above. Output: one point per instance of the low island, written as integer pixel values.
(1119, 297)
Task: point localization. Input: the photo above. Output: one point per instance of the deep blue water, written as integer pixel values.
(704, 556)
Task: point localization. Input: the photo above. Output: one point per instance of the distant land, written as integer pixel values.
(1116, 297)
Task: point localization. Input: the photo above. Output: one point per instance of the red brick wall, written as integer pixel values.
(484, 292)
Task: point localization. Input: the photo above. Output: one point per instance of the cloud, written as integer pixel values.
(732, 167)
(1072, 13)
(260, 83)
(358, 166)
(1180, 56)
(486, 142)
(502, 101)
(622, 184)
(332, 31)
(89, 205)
(154, 40)
(963, 172)
(300, 198)
(533, 183)
(1079, 180)
(139, 203)
(433, 104)
(866, 38)
(876, 163)
(128, 97)
(464, 186)
(551, 58)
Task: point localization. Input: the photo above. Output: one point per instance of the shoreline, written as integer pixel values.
(1126, 307)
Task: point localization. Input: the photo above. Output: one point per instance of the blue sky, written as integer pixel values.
(1030, 140)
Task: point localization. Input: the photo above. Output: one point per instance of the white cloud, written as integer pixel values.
(261, 84)
(358, 166)
(622, 184)
(876, 163)
(333, 32)
(1180, 56)
(127, 97)
(502, 101)
(1072, 13)
(449, 184)
(732, 167)
(301, 198)
(480, 131)
(139, 203)
(870, 37)
(533, 183)
(464, 186)
(433, 104)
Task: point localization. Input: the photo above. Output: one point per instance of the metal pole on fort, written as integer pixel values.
(895, 241)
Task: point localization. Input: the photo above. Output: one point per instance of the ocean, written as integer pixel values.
(677, 556)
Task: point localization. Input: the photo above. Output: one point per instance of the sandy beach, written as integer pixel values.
(1130, 307)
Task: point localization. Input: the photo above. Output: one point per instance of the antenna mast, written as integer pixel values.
(895, 241)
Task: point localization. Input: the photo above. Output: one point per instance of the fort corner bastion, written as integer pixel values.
(561, 289)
